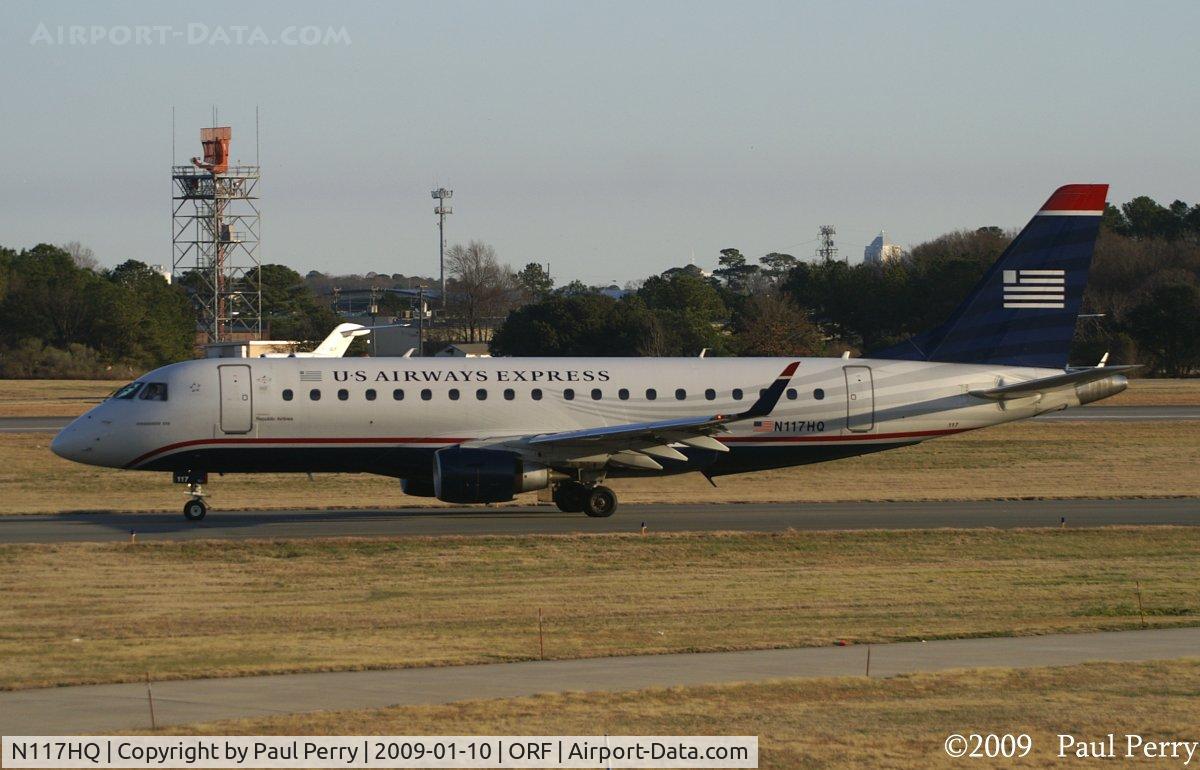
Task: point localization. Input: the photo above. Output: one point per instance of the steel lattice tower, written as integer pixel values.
(216, 226)
(827, 251)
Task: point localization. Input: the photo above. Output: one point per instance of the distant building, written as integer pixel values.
(614, 291)
(249, 348)
(465, 350)
(165, 272)
(881, 250)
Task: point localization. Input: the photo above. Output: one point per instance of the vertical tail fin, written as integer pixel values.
(1023, 311)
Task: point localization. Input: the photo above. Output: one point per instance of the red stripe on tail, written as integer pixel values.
(1077, 197)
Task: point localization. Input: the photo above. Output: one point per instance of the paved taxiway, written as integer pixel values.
(749, 517)
(1105, 413)
(98, 709)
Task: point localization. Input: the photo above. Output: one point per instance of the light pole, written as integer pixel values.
(441, 195)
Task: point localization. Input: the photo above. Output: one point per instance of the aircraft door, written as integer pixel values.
(236, 404)
(860, 399)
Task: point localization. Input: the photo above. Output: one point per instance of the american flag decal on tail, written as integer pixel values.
(1035, 289)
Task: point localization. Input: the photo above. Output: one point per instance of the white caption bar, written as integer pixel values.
(537, 751)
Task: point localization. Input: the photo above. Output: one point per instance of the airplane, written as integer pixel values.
(333, 346)
(484, 430)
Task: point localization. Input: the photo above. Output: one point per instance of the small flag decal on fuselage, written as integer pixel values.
(310, 376)
(1036, 289)
(761, 426)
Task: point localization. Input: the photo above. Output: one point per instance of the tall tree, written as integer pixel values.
(82, 256)
(536, 282)
(1148, 219)
(483, 288)
(777, 265)
(770, 324)
(157, 323)
(689, 309)
(734, 270)
(578, 325)
(290, 306)
(1167, 325)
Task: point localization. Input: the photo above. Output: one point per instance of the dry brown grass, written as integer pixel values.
(1028, 459)
(109, 612)
(816, 723)
(52, 398)
(1148, 392)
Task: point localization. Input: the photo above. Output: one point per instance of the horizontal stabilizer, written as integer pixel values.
(1045, 384)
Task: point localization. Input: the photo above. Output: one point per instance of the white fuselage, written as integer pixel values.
(387, 415)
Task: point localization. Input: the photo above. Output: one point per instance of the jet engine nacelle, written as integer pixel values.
(485, 475)
(1098, 389)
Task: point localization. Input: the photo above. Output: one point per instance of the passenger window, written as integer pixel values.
(651, 394)
(818, 394)
(791, 394)
(536, 394)
(680, 394)
(426, 394)
(453, 394)
(710, 394)
(481, 394)
(398, 394)
(154, 391)
(509, 394)
(287, 394)
(623, 394)
(569, 394)
(314, 395)
(129, 391)
(596, 394)
(737, 394)
(370, 394)
(343, 394)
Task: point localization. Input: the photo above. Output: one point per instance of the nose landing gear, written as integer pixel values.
(195, 509)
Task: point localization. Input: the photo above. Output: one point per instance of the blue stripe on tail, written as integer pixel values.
(1023, 311)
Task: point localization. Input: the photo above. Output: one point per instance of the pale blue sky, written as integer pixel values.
(610, 139)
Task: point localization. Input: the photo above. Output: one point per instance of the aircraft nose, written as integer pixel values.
(80, 440)
(67, 444)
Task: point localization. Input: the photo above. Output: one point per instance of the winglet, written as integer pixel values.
(770, 397)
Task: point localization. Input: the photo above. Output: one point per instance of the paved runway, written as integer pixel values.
(751, 517)
(1104, 413)
(33, 424)
(1125, 413)
(98, 709)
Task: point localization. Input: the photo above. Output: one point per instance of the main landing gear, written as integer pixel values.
(594, 500)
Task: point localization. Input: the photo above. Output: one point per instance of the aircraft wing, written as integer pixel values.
(636, 445)
(1046, 384)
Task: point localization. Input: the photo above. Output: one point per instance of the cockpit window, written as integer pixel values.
(154, 391)
(128, 391)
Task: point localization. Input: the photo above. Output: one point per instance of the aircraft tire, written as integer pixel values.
(600, 503)
(195, 510)
(570, 497)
